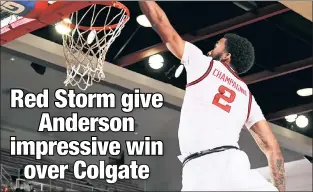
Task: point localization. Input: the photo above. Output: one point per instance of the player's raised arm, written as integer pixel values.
(264, 137)
(163, 27)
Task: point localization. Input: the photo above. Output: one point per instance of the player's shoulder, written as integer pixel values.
(192, 54)
(189, 47)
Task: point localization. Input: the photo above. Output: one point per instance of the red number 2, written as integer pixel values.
(229, 99)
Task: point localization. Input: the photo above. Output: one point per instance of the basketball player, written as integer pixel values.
(217, 104)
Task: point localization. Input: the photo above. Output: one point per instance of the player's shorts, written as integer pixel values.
(224, 171)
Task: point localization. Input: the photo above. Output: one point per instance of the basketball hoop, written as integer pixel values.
(92, 33)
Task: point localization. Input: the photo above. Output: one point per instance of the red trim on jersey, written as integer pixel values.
(249, 105)
(203, 76)
(232, 71)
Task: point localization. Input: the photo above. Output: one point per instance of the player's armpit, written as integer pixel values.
(163, 27)
(268, 144)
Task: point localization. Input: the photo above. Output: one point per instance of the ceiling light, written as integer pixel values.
(156, 61)
(12, 59)
(305, 92)
(92, 35)
(302, 121)
(143, 21)
(156, 65)
(291, 118)
(179, 70)
(62, 27)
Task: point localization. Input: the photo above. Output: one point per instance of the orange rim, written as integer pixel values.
(107, 3)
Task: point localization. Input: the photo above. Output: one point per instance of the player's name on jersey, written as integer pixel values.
(230, 81)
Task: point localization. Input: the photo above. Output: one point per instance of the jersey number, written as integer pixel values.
(221, 96)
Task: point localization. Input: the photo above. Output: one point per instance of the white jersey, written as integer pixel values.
(216, 106)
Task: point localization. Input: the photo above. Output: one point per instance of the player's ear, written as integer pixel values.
(226, 57)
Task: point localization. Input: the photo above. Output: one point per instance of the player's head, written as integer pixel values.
(235, 51)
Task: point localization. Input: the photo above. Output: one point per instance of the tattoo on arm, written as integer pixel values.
(278, 172)
(270, 147)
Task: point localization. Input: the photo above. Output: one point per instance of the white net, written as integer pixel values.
(85, 47)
